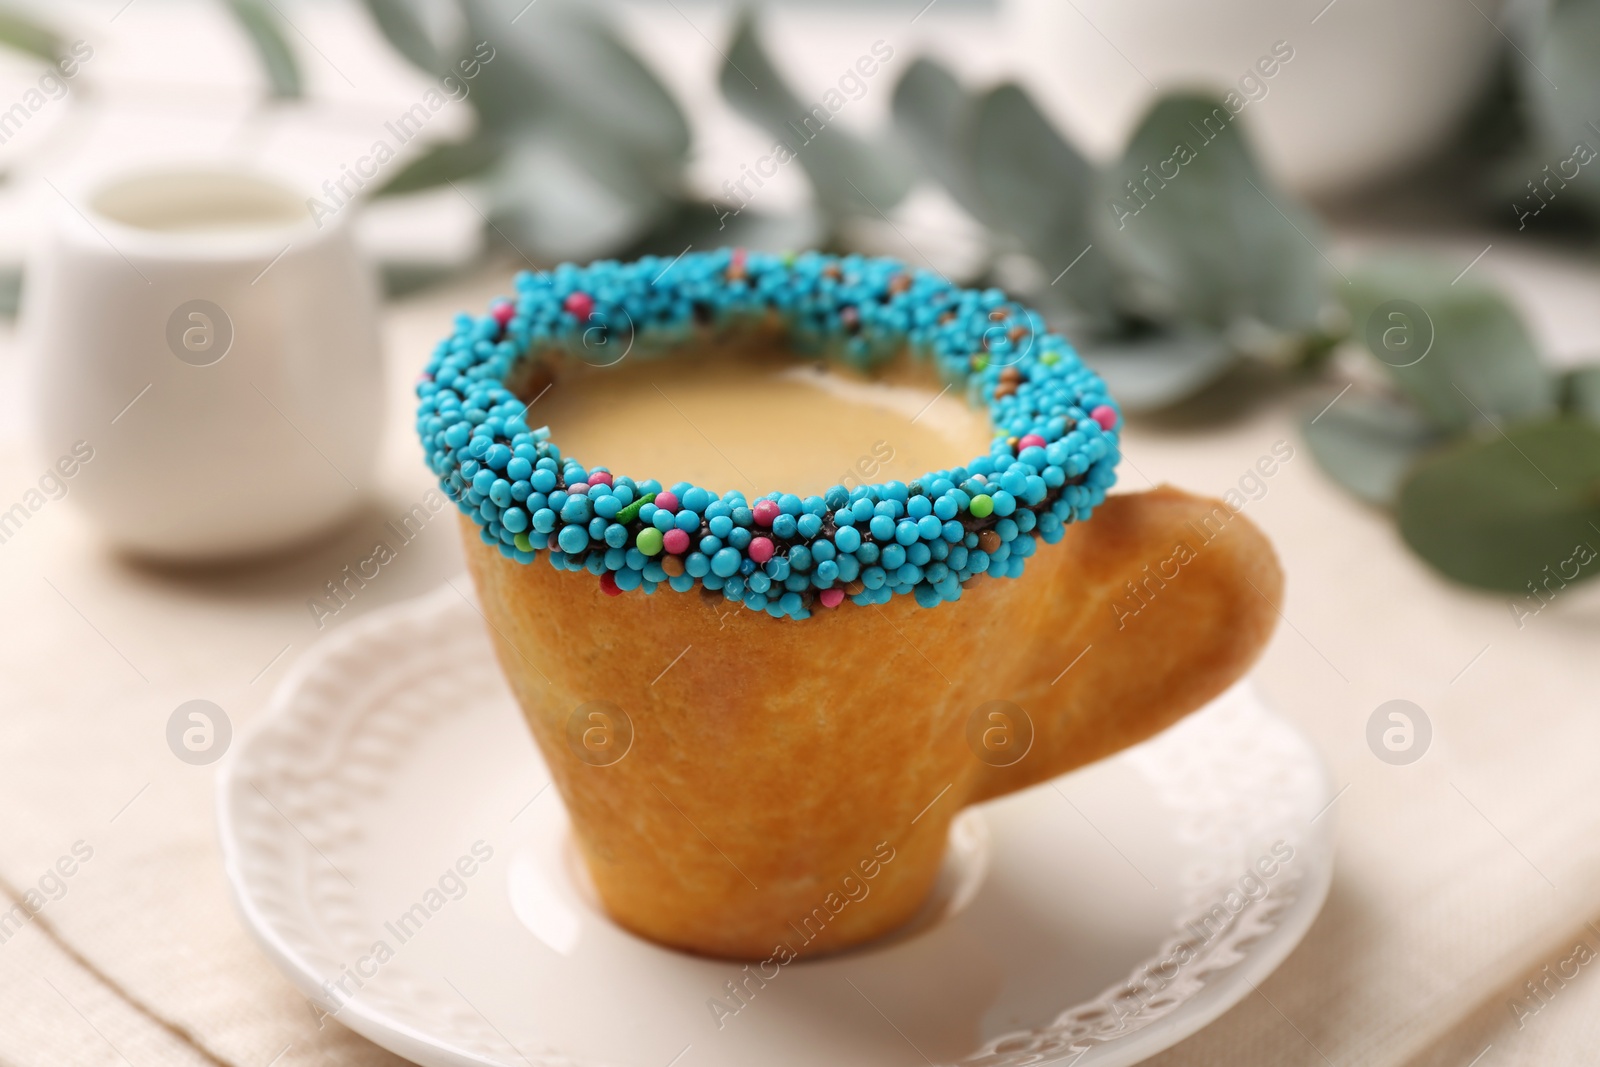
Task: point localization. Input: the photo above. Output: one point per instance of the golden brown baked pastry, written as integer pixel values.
(789, 786)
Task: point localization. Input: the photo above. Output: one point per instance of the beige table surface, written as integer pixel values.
(1458, 877)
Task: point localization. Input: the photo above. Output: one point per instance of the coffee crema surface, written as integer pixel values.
(759, 421)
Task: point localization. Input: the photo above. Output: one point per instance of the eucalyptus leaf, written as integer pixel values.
(403, 279)
(1155, 372)
(403, 26)
(443, 163)
(22, 34)
(934, 113)
(1201, 231)
(593, 147)
(509, 93)
(10, 290)
(1457, 348)
(693, 225)
(848, 176)
(1561, 81)
(1368, 443)
(1504, 512)
(560, 59)
(611, 164)
(263, 25)
(547, 206)
(1580, 392)
(1038, 188)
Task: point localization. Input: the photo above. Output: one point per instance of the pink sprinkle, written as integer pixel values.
(761, 549)
(1031, 440)
(608, 584)
(502, 313)
(765, 512)
(667, 501)
(831, 598)
(676, 541)
(577, 488)
(737, 257)
(580, 304)
(599, 477)
(1105, 415)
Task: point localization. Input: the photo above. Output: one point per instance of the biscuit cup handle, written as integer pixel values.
(1147, 611)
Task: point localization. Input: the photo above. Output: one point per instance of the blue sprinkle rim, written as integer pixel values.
(870, 542)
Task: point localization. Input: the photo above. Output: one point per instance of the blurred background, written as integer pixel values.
(1351, 170)
(1364, 232)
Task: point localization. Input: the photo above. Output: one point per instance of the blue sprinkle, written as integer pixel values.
(510, 477)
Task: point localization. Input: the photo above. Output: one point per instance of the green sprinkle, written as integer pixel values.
(982, 506)
(522, 542)
(649, 541)
(631, 512)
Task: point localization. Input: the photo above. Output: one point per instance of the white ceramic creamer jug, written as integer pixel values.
(218, 351)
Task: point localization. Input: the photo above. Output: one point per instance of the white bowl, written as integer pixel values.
(1371, 86)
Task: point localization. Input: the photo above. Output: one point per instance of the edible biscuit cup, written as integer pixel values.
(864, 663)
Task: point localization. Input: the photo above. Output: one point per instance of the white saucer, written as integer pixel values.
(394, 750)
